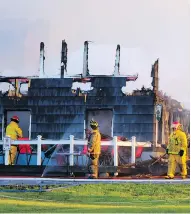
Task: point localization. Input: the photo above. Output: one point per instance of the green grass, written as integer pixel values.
(100, 198)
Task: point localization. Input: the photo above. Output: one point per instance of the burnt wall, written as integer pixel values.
(57, 112)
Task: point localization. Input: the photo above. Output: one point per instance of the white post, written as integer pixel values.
(6, 157)
(115, 151)
(163, 128)
(71, 150)
(156, 139)
(6, 147)
(133, 149)
(39, 150)
(115, 147)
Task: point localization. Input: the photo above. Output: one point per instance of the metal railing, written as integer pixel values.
(115, 143)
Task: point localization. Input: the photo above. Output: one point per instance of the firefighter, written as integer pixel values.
(94, 148)
(177, 149)
(14, 132)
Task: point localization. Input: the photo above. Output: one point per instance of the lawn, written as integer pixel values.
(100, 198)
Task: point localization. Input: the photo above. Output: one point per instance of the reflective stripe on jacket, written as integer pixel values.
(14, 131)
(177, 142)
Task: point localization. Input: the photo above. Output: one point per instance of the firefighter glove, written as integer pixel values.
(167, 151)
(181, 153)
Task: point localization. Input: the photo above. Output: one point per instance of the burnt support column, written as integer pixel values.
(42, 58)
(155, 84)
(64, 54)
(154, 74)
(85, 60)
(117, 61)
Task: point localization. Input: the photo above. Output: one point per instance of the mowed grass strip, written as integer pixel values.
(112, 198)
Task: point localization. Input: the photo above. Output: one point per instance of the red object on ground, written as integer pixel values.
(105, 148)
(60, 159)
(44, 147)
(139, 151)
(85, 150)
(25, 148)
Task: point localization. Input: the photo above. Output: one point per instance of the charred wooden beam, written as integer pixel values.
(42, 58)
(64, 54)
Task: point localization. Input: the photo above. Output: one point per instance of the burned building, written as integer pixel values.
(53, 109)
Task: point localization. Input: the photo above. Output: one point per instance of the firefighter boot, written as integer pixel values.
(169, 177)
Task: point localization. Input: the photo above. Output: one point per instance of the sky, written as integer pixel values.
(145, 29)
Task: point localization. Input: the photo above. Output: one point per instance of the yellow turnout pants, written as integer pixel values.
(93, 165)
(173, 160)
(12, 155)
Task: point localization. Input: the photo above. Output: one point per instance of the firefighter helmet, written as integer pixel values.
(15, 118)
(176, 125)
(93, 123)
